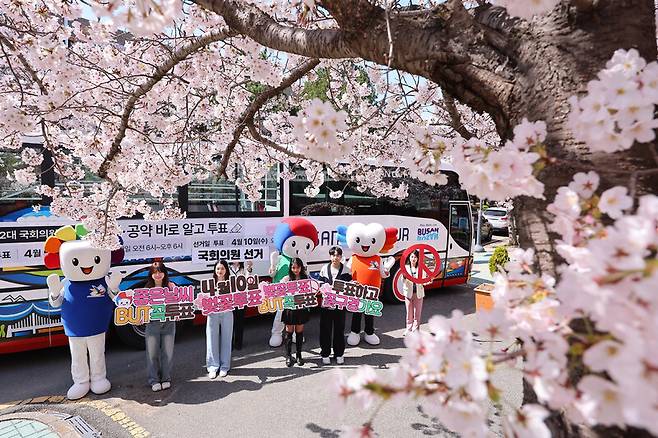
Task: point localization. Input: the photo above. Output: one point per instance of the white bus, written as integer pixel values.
(221, 223)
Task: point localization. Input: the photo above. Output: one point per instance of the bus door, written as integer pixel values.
(458, 261)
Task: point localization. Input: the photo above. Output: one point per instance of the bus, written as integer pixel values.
(220, 223)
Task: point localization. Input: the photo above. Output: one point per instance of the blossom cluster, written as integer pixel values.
(600, 315)
(140, 17)
(500, 173)
(450, 374)
(619, 107)
(610, 282)
(425, 162)
(317, 129)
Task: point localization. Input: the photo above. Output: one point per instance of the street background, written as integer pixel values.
(260, 396)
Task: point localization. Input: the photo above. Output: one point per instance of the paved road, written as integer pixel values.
(261, 397)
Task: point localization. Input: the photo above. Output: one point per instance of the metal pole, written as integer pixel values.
(478, 238)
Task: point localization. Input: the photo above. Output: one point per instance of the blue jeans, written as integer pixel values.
(218, 346)
(160, 350)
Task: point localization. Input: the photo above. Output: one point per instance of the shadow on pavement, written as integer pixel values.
(47, 372)
(322, 432)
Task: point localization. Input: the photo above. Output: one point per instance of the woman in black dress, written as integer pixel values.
(295, 319)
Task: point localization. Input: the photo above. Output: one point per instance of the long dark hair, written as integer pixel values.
(302, 272)
(157, 267)
(214, 270)
(417, 254)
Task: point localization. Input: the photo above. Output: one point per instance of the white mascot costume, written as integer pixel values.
(367, 267)
(86, 298)
(293, 237)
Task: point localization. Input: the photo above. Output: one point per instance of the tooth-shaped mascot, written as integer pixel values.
(367, 267)
(86, 299)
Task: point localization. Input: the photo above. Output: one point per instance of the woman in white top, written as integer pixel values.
(413, 294)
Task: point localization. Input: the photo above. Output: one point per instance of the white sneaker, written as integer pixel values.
(326, 361)
(404, 333)
(223, 373)
(212, 374)
(166, 385)
(372, 339)
(340, 360)
(353, 339)
(156, 387)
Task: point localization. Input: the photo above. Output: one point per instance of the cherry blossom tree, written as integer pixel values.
(549, 102)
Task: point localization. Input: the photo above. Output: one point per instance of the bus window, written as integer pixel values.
(15, 198)
(222, 196)
(270, 195)
(298, 198)
(212, 195)
(460, 225)
(360, 202)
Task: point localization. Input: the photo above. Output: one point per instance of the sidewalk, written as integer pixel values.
(480, 271)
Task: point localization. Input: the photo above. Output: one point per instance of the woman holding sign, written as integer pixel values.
(159, 336)
(219, 332)
(295, 319)
(413, 294)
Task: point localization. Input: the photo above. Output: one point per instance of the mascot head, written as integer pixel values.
(367, 240)
(78, 260)
(296, 237)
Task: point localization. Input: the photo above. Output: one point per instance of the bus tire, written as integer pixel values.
(132, 335)
(391, 293)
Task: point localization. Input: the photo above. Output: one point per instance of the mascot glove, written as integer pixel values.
(113, 281)
(389, 262)
(274, 260)
(54, 285)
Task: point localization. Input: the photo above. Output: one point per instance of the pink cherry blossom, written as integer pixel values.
(614, 201)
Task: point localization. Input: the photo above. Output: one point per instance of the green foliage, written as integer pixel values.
(498, 259)
(255, 87)
(319, 87)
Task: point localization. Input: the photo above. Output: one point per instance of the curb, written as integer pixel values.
(115, 414)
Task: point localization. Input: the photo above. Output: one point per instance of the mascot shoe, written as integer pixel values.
(100, 386)
(353, 339)
(372, 339)
(77, 391)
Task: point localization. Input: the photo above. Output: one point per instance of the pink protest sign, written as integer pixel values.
(162, 304)
(353, 297)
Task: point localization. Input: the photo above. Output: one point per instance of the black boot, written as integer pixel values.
(299, 342)
(287, 342)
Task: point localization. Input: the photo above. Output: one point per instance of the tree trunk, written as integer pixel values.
(556, 59)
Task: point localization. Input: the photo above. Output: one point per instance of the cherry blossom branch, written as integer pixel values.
(455, 117)
(179, 55)
(28, 67)
(260, 100)
(259, 26)
(13, 72)
(269, 143)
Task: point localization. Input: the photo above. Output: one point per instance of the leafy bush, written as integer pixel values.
(498, 259)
